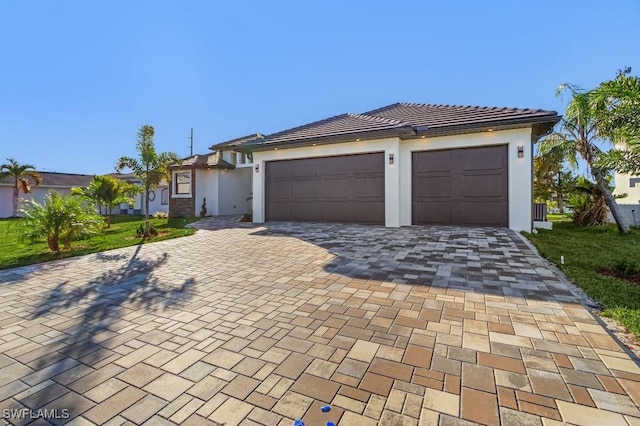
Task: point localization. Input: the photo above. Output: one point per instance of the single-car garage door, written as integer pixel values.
(347, 188)
(461, 186)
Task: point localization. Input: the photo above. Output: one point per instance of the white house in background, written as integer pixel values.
(158, 197)
(59, 182)
(630, 205)
(400, 165)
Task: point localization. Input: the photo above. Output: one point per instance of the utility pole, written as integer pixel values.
(191, 146)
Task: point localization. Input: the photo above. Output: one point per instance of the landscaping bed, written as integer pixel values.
(17, 250)
(592, 259)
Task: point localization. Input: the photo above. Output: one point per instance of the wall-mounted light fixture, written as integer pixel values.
(391, 158)
(520, 151)
(257, 167)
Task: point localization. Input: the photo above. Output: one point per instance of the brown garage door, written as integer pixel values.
(461, 186)
(348, 188)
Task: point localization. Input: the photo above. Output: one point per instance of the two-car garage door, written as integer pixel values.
(347, 188)
(456, 186)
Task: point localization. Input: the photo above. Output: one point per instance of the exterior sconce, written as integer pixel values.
(257, 167)
(391, 158)
(520, 151)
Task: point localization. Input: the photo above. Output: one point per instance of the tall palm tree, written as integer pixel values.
(150, 167)
(578, 136)
(24, 176)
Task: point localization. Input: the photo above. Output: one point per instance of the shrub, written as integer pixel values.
(60, 220)
(626, 268)
(589, 206)
(152, 231)
(161, 215)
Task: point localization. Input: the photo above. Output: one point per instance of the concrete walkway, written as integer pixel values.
(242, 324)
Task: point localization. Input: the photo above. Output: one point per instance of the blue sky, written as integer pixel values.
(78, 78)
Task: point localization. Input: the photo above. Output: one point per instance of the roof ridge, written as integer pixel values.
(482, 107)
(308, 125)
(374, 111)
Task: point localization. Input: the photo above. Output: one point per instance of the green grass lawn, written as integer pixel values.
(17, 250)
(559, 217)
(586, 252)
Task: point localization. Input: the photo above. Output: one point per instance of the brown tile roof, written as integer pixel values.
(407, 120)
(235, 142)
(440, 116)
(206, 161)
(58, 180)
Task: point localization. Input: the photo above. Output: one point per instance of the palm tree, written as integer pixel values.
(578, 137)
(150, 167)
(108, 192)
(617, 102)
(550, 175)
(24, 177)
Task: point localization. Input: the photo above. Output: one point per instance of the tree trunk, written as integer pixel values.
(147, 232)
(559, 195)
(108, 211)
(621, 221)
(15, 199)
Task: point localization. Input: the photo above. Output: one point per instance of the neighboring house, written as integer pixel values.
(223, 177)
(630, 205)
(59, 182)
(158, 197)
(403, 164)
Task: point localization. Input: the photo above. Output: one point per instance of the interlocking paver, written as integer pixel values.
(252, 324)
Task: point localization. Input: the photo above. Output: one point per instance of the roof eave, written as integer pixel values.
(399, 131)
(542, 121)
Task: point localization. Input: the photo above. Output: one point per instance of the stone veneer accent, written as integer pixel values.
(183, 207)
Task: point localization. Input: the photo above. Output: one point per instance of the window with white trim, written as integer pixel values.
(182, 184)
(164, 196)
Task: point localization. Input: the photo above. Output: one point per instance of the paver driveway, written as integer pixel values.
(262, 325)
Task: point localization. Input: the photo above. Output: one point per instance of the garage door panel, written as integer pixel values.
(347, 188)
(280, 190)
(368, 188)
(305, 190)
(466, 186)
(303, 211)
(440, 161)
(279, 211)
(280, 171)
(436, 212)
(339, 188)
(304, 168)
(482, 186)
(481, 213)
(363, 209)
(433, 187)
(335, 166)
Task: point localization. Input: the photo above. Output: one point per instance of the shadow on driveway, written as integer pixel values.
(97, 313)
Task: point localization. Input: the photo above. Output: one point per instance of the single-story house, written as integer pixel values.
(51, 181)
(399, 165)
(630, 205)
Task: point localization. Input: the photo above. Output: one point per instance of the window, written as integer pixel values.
(243, 158)
(152, 195)
(164, 196)
(633, 182)
(182, 183)
(234, 158)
